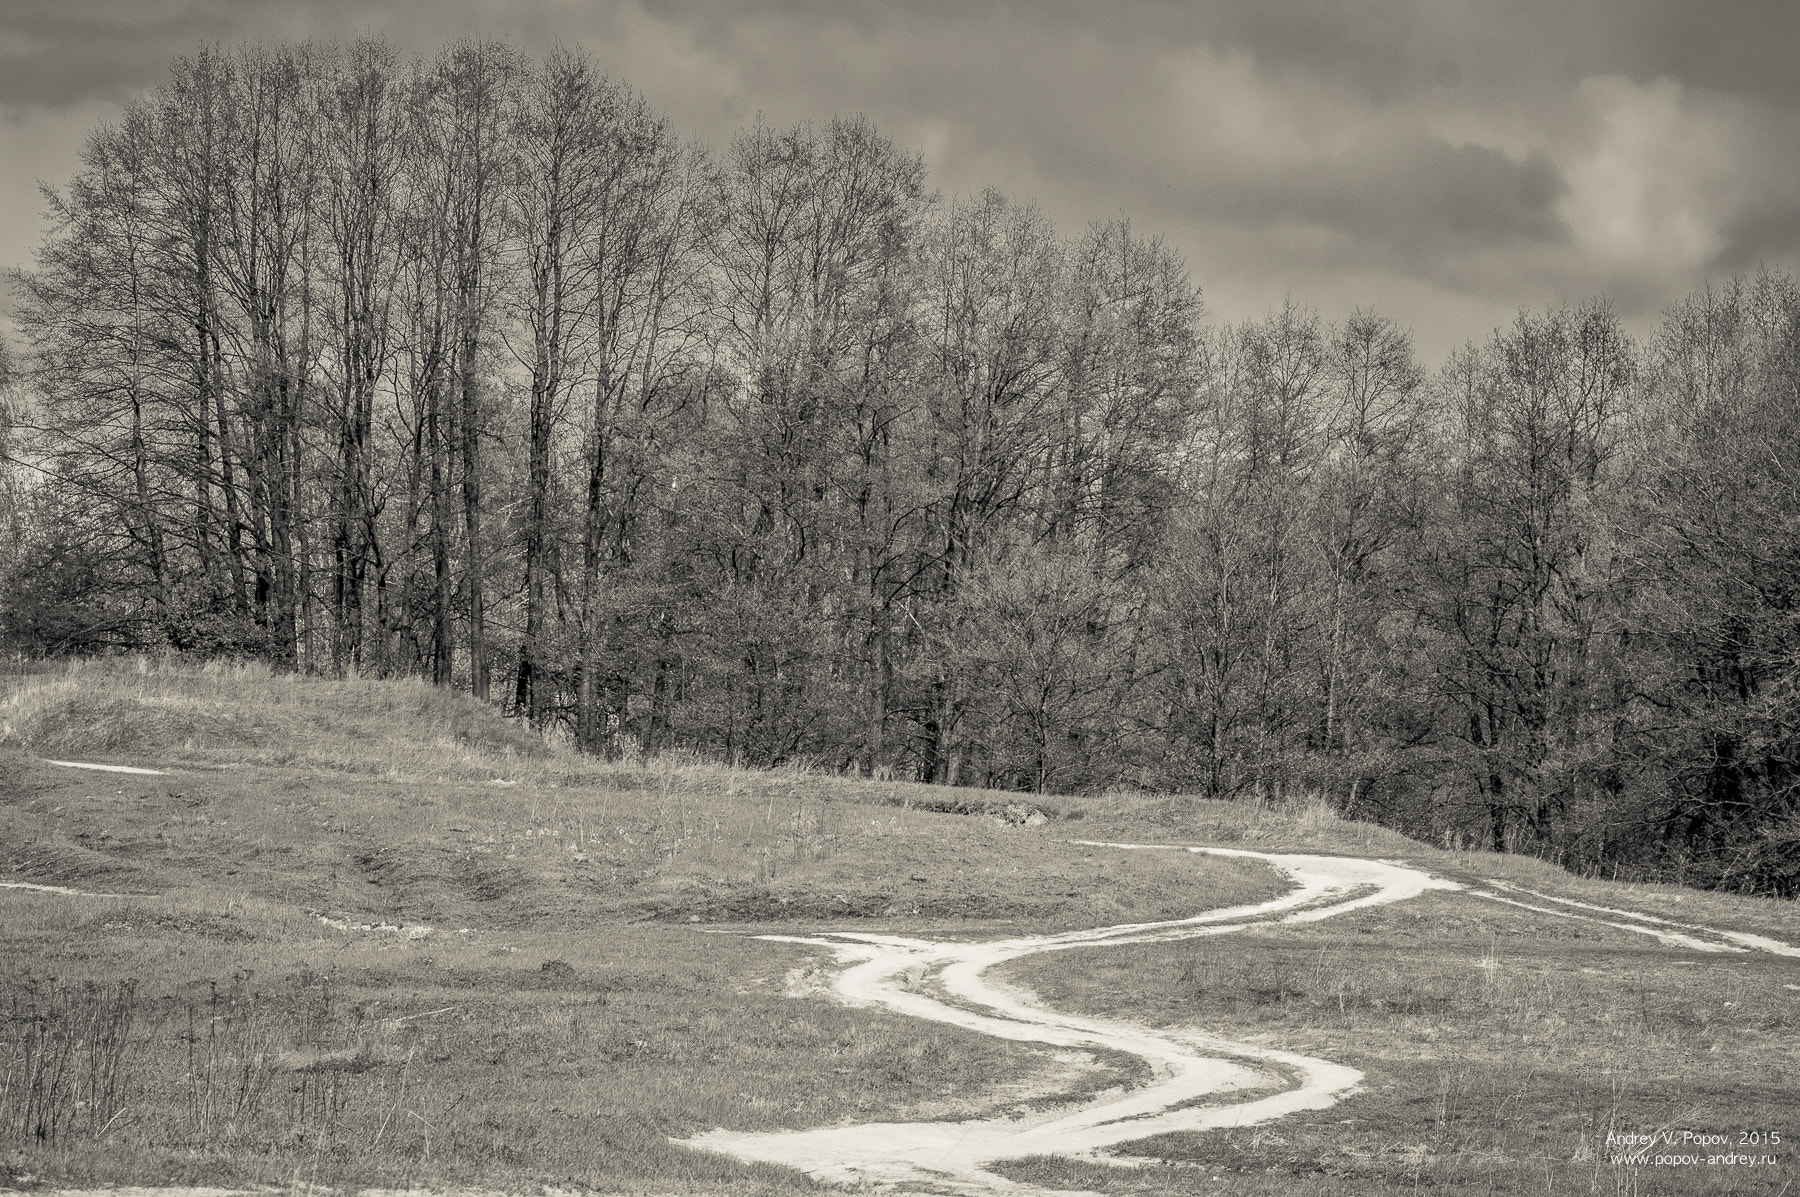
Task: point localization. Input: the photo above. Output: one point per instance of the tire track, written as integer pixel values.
(945, 982)
(1676, 935)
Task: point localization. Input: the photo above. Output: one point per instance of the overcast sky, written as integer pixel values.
(1446, 162)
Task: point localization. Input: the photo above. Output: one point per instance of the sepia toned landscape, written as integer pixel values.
(663, 597)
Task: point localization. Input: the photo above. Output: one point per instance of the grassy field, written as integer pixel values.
(1500, 1053)
(367, 934)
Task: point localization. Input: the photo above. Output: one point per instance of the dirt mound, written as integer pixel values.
(97, 725)
(244, 715)
(59, 862)
(763, 905)
(141, 920)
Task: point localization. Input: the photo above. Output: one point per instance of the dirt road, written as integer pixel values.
(1200, 1081)
(944, 981)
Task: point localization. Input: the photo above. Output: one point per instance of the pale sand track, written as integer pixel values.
(943, 981)
(55, 889)
(1705, 939)
(106, 768)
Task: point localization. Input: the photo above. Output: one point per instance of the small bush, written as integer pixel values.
(64, 1052)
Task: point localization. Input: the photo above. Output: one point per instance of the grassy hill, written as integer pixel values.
(370, 934)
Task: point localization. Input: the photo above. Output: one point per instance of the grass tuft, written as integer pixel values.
(63, 1056)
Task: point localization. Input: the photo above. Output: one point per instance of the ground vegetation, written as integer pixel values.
(369, 934)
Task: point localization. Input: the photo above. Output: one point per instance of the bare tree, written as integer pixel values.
(469, 93)
(1714, 739)
(814, 230)
(1129, 369)
(1514, 578)
(1361, 509)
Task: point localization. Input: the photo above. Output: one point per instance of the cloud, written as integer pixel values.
(1395, 50)
(57, 53)
(1397, 203)
(58, 56)
(1459, 154)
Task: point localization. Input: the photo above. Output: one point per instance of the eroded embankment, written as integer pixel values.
(944, 981)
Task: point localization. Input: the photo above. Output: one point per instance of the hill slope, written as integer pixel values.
(370, 933)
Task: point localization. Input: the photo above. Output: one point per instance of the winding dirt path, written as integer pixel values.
(1195, 1075)
(944, 982)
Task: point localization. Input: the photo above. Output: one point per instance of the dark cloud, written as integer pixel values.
(1382, 49)
(1734, 47)
(56, 54)
(1391, 49)
(1767, 235)
(1460, 156)
(58, 57)
(1410, 201)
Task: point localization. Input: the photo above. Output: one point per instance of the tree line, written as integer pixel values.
(470, 367)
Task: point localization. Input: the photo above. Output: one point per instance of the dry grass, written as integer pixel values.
(395, 801)
(1302, 825)
(240, 714)
(580, 1021)
(582, 1018)
(1500, 1049)
(266, 1050)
